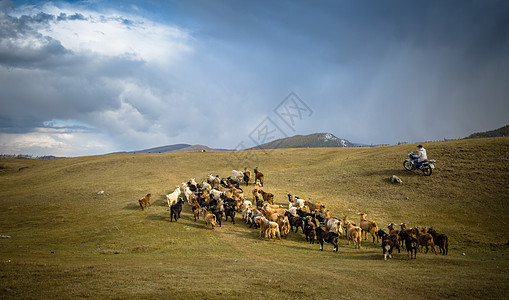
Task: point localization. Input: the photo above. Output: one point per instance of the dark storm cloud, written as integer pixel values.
(371, 71)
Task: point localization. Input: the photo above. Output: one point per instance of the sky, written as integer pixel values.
(94, 77)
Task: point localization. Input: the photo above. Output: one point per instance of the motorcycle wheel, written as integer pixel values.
(427, 170)
(408, 165)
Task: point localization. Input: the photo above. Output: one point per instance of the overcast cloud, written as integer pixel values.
(93, 77)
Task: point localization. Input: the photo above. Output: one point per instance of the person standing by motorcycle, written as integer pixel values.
(420, 155)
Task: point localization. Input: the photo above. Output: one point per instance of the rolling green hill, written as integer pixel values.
(315, 140)
(502, 131)
(63, 239)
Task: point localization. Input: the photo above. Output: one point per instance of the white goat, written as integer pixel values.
(206, 186)
(247, 204)
(296, 202)
(188, 193)
(216, 194)
(173, 197)
(334, 225)
(238, 175)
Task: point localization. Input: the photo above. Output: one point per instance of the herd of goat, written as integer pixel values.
(216, 198)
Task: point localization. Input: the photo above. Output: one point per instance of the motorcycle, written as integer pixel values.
(426, 166)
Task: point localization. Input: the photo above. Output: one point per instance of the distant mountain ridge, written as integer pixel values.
(173, 149)
(315, 140)
(502, 131)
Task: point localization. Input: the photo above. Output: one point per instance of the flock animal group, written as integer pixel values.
(215, 198)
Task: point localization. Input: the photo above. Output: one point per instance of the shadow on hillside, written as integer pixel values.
(132, 206)
(161, 202)
(159, 217)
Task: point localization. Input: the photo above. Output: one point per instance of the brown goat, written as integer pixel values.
(269, 197)
(209, 218)
(353, 233)
(426, 240)
(313, 206)
(284, 225)
(145, 201)
(196, 210)
(441, 240)
(368, 226)
(259, 177)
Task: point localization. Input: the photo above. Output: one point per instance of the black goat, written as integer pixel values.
(229, 211)
(309, 230)
(294, 221)
(175, 210)
(327, 237)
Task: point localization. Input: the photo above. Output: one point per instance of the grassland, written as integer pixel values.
(67, 241)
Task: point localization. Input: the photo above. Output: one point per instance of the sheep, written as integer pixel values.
(209, 218)
(441, 240)
(175, 210)
(173, 197)
(259, 177)
(353, 233)
(368, 226)
(145, 201)
(238, 175)
(247, 176)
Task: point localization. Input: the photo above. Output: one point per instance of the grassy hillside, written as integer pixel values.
(315, 140)
(67, 241)
(502, 131)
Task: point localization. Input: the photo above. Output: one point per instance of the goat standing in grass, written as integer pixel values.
(247, 176)
(259, 177)
(173, 197)
(441, 240)
(209, 218)
(353, 233)
(425, 240)
(196, 210)
(145, 201)
(175, 210)
(368, 226)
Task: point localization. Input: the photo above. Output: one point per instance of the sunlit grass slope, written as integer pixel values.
(68, 241)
